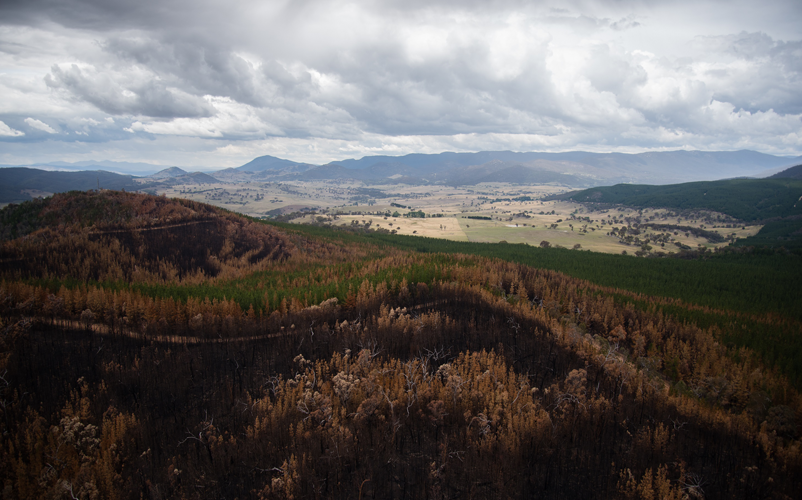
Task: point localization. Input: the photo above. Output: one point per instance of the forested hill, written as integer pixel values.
(745, 199)
(16, 181)
(103, 210)
(156, 348)
(789, 173)
(112, 235)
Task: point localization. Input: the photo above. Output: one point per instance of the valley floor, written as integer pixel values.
(517, 214)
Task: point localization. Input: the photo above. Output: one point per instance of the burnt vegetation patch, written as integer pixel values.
(336, 365)
(132, 237)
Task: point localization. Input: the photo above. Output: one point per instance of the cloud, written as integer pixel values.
(39, 125)
(198, 68)
(131, 91)
(754, 72)
(355, 76)
(6, 131)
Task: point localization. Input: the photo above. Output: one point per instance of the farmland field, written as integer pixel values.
(484, 213)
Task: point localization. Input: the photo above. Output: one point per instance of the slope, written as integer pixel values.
(131, 237)
(353, 364)
(266, 162)
(15, 180)
(744, 199)
(168, 173)
(789, 173)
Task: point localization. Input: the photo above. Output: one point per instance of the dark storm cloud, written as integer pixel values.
(99, 15)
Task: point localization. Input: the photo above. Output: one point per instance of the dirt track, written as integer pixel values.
(103, 329)
(150, 228)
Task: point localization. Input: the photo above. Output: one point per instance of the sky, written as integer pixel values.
(213, 84)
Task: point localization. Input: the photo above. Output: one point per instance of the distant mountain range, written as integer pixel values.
(575, 169)
(19, 183)
(120, 167)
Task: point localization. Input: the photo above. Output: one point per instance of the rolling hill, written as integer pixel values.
(794, 172)
(774, 202)
(168, 173)
(267, 162)
(156, 345)
(192, 178)
(112, 235)
(745, 199)
(16, 182)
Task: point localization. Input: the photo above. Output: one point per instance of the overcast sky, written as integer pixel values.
(215, 84)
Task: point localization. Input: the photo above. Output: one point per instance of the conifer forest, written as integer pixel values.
(155, 348)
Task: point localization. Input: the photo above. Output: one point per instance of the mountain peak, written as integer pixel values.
(268, 162)
(168, 173)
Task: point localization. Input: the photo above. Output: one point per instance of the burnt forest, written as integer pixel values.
(155, 348)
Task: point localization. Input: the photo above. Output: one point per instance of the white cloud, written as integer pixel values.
(230, 119)
(6, 131)
(40, 125)
(321, 79)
